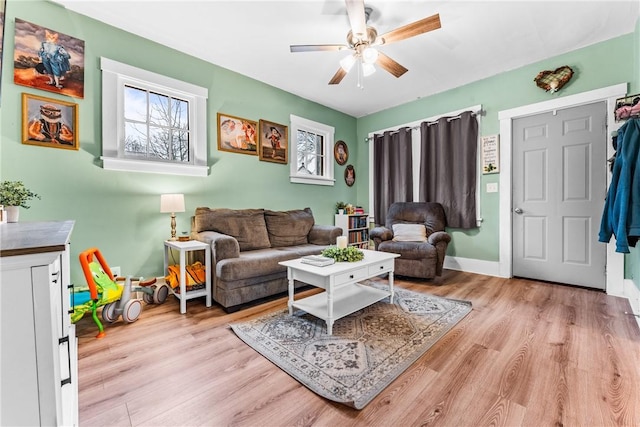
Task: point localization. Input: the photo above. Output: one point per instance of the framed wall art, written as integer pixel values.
(341, 152)
(49, 122)
(349, 175)
(3, 5)
(627, 107)
(48, 60)
(490, 154)
(237, 135)
(274, 142)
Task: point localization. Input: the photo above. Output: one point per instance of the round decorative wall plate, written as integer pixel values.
(349, 175)
(341, 152)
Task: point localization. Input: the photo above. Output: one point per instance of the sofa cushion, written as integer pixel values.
(288, 228)
(410, 250)
(247, 226)
(409, 233)
(258, 263)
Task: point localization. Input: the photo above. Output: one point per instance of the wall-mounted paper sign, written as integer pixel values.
(490, 154)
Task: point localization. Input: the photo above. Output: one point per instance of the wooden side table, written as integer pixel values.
(183, 248)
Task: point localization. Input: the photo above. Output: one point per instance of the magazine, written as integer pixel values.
(317, 260)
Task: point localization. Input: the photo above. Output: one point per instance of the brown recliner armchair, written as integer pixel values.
(415, 230)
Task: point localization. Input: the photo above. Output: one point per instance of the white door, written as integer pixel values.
(559, 186)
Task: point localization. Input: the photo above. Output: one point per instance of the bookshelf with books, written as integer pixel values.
(355, 227)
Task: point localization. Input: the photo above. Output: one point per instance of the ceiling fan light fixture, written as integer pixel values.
(347, 62)
(369, 55)
(367, 69)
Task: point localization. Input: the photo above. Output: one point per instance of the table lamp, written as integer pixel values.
(172, 203)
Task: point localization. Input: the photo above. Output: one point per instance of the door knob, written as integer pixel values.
(518, 211)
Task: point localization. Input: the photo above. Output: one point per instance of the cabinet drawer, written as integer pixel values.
(358, 274)
(381, 267)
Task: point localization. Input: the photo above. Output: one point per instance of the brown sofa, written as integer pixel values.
(248, 244)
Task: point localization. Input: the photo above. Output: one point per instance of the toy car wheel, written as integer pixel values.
(148, 298)
(109, 312)
(160, 294)
(132, 310)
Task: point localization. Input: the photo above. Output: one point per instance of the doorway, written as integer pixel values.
(559, 186)
(614, 261)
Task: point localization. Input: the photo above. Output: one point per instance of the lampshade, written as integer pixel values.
(369, 55)
(367, 69)
(347, 62)
(170, 203)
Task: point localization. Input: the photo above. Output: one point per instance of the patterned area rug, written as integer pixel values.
(368, 349)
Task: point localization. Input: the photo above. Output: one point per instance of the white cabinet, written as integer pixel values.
(38, 365)
(356, 228)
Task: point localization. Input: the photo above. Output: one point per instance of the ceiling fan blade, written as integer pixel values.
(390, 65)
(316, 47)
(415, 28)
(337, 78)
(355, 10)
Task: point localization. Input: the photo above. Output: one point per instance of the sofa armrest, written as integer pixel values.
(222, 246)
(439, 236)
(324, 234)
(439, 239)
(379, 235)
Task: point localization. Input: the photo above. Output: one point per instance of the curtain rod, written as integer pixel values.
(473, 114)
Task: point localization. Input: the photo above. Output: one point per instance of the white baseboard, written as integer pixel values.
(632, 293)
(478, 266)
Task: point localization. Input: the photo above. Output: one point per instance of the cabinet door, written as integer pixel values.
(19, 385)
(46, 293)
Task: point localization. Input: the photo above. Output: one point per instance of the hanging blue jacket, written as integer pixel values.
(621, 215)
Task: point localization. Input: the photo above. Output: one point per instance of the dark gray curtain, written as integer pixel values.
(392, 171)
(448, 167)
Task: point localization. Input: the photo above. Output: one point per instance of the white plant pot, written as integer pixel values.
(341, 211)
(13, 213)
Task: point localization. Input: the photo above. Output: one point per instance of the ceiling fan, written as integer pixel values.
(363, 40)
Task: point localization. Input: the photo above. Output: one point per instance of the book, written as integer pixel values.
(317, 260)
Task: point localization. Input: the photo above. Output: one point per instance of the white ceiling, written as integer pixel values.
(478, 39)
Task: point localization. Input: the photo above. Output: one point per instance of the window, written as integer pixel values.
(152, 123)
(311, 152)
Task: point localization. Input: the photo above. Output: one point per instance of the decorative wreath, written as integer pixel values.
(552, 81)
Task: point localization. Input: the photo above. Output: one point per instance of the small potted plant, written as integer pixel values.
(340, 207)
(13, 195)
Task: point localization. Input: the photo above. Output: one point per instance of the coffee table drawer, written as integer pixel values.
(381, 267)
(358, 274)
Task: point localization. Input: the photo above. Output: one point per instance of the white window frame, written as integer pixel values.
(115, 76)
(327, 133)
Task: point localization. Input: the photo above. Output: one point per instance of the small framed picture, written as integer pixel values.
(490, 154)
(341, 152)
(274, 142)
(349, 175)
(49, 122)
(237, 135)
(627, 107)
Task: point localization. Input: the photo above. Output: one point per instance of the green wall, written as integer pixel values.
(118, 212)
(596, 66)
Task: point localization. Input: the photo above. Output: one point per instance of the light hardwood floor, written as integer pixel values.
(529, 354)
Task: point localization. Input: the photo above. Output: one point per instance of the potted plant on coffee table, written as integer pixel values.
(14, 195)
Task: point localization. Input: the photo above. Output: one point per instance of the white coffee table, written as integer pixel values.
(343, 294)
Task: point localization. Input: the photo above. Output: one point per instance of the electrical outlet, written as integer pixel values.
(492, 187)
(116, 271)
